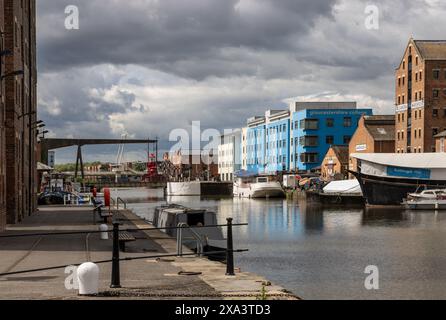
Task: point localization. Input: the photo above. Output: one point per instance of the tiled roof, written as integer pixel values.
(432, 49)
(381, 127)
(341, 153)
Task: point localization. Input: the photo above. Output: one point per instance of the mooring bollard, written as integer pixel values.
(104, 233)
(229, 250)
(180, 241)
(88, 278)
(115, 276)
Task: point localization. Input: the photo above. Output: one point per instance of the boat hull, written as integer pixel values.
(269, 190)
(391, 191)
(425, 205)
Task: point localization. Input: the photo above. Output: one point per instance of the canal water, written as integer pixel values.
(321, 253)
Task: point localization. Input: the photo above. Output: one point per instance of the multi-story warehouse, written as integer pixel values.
(2, 127)
(315, 126)
(420, 96)
(20, 81)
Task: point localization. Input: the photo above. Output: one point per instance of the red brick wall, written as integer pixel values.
(2, 133)
(423, 119)
(20, 101)
(332, 168)
(432, 121)
(401, 97)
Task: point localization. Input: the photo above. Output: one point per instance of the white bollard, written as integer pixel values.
(88, 278)
(104, 233)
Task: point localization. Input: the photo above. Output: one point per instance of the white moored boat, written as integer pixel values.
(434, 199)
(257, 187)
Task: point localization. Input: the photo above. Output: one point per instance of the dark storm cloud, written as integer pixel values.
(172, 35)
(149, 66)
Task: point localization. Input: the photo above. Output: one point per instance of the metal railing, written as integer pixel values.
(118, 199)
(195, 234)
(115, 274)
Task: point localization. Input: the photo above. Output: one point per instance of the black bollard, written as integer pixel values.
(115, 277)
(229, 250)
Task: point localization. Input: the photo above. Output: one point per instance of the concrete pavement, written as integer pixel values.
(141, 279)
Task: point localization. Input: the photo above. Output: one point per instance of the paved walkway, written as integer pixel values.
(141, 279)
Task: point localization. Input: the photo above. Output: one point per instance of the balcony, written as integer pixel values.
(309, 141)
(309, 124)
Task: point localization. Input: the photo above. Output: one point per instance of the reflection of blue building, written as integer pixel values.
(299, 138)
(316, 126)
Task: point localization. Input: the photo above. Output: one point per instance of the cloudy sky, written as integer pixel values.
(147, 67)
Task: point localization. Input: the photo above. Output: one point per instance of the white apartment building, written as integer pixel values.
(229, 155)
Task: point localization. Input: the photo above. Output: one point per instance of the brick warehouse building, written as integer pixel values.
(420, 96)
(2, 129)
(19, 77)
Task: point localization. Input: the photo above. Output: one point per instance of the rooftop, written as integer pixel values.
(308, 105)
(341, 153)
(381, 127)
(441, 135)
(431, 49)
(406, 160)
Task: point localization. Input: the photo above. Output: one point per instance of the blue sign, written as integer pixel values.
(408, 172)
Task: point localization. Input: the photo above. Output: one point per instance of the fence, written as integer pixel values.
(115, 273)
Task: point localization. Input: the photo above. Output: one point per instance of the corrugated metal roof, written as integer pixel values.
(406, 160)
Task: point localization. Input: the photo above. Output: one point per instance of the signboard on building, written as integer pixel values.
(408, 172)
(361, 147)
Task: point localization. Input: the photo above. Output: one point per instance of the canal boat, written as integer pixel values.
(342, 192)
(193, 221)
(199, 188)
(387, 178)
(257, 187)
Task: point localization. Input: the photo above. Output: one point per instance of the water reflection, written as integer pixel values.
(321, 253)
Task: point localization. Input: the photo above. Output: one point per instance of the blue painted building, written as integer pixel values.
(297, 139)
(268, 145)
(255, 144)
(277, 155)
(316, 126)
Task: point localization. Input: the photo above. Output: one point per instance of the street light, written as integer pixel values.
(36, 125)
(43, 134)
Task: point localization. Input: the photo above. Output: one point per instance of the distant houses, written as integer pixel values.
(375, 134)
